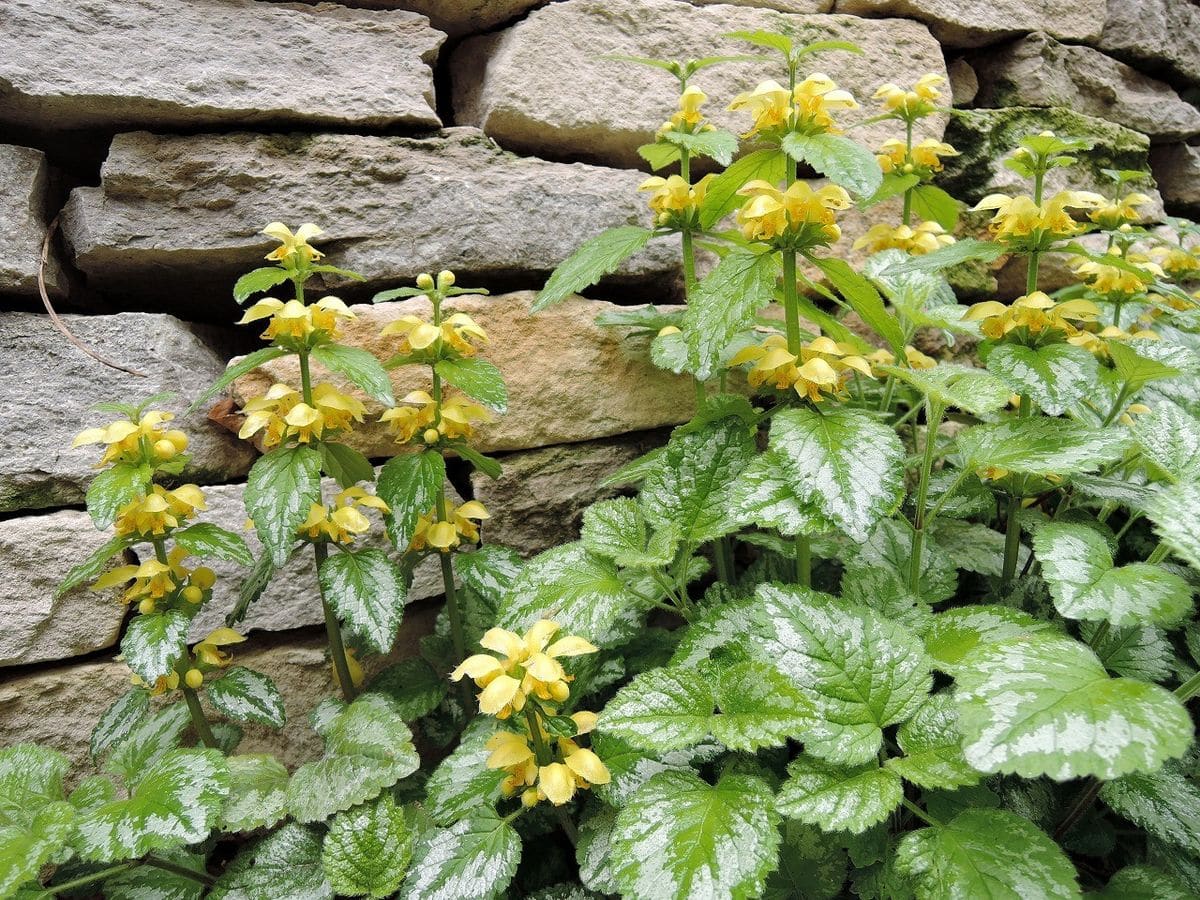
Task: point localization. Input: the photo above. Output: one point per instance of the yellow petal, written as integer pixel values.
(477, 666)
(571, 646)
(473, 509)
(556, 782)
(584, 721)
(223, 636)
(498, 694)
(423, 335)
(88, 436)
(508, 749)
(543, 668)
(587, 765)
(537, 637)
(501, 640)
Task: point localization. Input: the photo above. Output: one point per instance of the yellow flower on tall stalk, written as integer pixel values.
(673, 201)
(1115, 213)
(125, 441)
(1035, 315)
(1181, 263)
(688, 118)
(458, 330)
(528, 664)
(821, 367)
(209, 651)
(913, 103)
(461, 523)
(925, 238)
(281, 414)
(419, 412)
(159, 510)
(807, 109)
(798, 217)
(294, 321)
(1019, 217)
(1097, 342)
(1110, 280)
(925, 158)
(294, 249)
(344, 521)
(555, 781)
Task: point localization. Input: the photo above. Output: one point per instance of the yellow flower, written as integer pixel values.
(530, 665)
(281, 413)
(807, 109)
(460, 523)
(126, 440)
(152, 580)
(925, 158)
(459, 416)
(405, 422)
(1178, 262)
(821, 367)
(1115, 213)
(1105, 279)
(918, 360)
(688, 118)
(769, 104)
(415, 333)
(295, 322)
(1097, 342)
(162, 684)
(929, 152)
(1035, 314)
(1020, 217)
(160, 510)
(209, 651)
(925, 238)
(294, 249)
(880, 357)
(913, 103)
(353, 667)
(345, 521)
(459, 330)
(674, 201)
(801, 215)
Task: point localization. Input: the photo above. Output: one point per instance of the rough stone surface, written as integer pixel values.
(986, 137)
(391, 207)
(974, 23)
(1161, 36)
(1039, 71)
(455, 17)
(1177, 170)
(116, 63)
(23, 175)
(539, 500)
(59, 706)
(48, 387)
(291, 599)
(36, 552)
(544, 87)
(964, 82)
(569, 379)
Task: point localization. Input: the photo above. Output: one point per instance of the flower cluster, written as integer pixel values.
(798, 217)
(158, 510)
(461, 523)
(294, 324)
(133, 441)
(925, 238)
(1121, 211)
(912, 356)
(1019, 219)
(807, 109)
(674, 202)
(153, 580)
(458, 331)
(913, 103)
(343, 520)
(294, 251)
(1179, 262)
(281, 414)
(688, 118)
(455, 417)
(555, 781)
(822, 367)
(1033, 318)
(1113, 280)
(924, 158)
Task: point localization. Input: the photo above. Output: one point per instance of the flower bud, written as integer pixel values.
(194, 678)
(193, 594)
(559, 691)
(425, 281)
(164, 449)
(529, 797)
(178, 438)
(204, 577)
(146, 607)
(431, 436)
(445, 279)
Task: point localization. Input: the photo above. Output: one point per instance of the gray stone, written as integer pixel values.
(36, 552)
(455, 17)
(1039, 71)
(391, 207)
(1159, 36)
(48, 387)
(986, 137)
(1055, 270)
(975, 23)
(59, 706)
(105, 63)
(543, 86)
(1177, 170)
(539, 500)
(23, 202)
(964, 82)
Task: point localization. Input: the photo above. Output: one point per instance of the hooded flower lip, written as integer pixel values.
(1019, 217)
(294, 249)
(125, 441)
(674, 202)
(209, 651)
(798, 217)
(281, 414)
(820, 369)
(688, 118)
(461, 523)
(808, 108)
(418, 337)
(1032, 317)
(343, 521)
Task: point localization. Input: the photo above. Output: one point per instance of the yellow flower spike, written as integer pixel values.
(556, 783)
(814, 99)
(929, 152)
(1116, 213)
(508, 750)
(293, 247)
(414, 332)
(587, 765)
(123, 439)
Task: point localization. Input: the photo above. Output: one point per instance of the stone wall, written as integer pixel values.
(486, 136)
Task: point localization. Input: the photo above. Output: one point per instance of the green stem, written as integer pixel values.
(1118, 404)
(1117, 313)
(199, 722)
(333, 632)
(1161, 552)
(889, 389)
(791, 305)
(1012, 541)
(544, 757)
(948, 493)
(1082, 804)
(908, 193)
(719, 558)
(1188, 689)
(804, 560)
(920, 813)
(175, 869)
(55, 889)
(933, 420)
(1031, 274)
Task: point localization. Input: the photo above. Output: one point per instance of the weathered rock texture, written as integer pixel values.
(36, 552)
(1177, 170)
(455, 17)
(391, 207)
(96, 63)
(544, 86)
(539, 500)
(1039, 71)
(23, 176)
(1157, 35)
(568, 378)
(48, 386)
(974, 23)
(986, 137)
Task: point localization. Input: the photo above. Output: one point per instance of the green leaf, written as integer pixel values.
(584, 593)
(958, 386)
(863, 299)
(154, 643)
(285, 865)
(31, 778)
(765, 495)
(893, 185)
(932, 748)
(209, 540)
(235, 371)
(963, 250)
(360, 367)
(593, 851)
(662, 709)
(659, 154)
(843, 462)
(723, 305)
(846, 162)
(462, 783)
(1175, 512)
(473, 859)
(149, 740)
(1044, 705)
(176, 802)
(974, 546)
(986, 853)
(1054, 376)
(345, 464)
(367, 849)
(1143, 883)
(1166, 803)
(1040, 446)
(722, 194)
(484, 464)
(113, 488)
(758, 707)
(410, 485)
(930, 202)
(1141, 651)
(334, 270)
(679, 837)
(25, 848)
(118, 721)
(147, 882)
(477, 378)
(689, 490)
(247, 696)
(812, 866)
(257, 793)
(839, 798)
(718, 145)
(595, 258)
(413, 686)
(1078, 566)
(282, 487)
(617, 530)
(956, 632)
(860, 672)
(90, 567)
(258, 280)
(770, 39)
(1169, 438)
(367, 748)
(1136, 370)
(368, 593)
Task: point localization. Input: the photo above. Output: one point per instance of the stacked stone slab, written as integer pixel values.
(486, 136)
